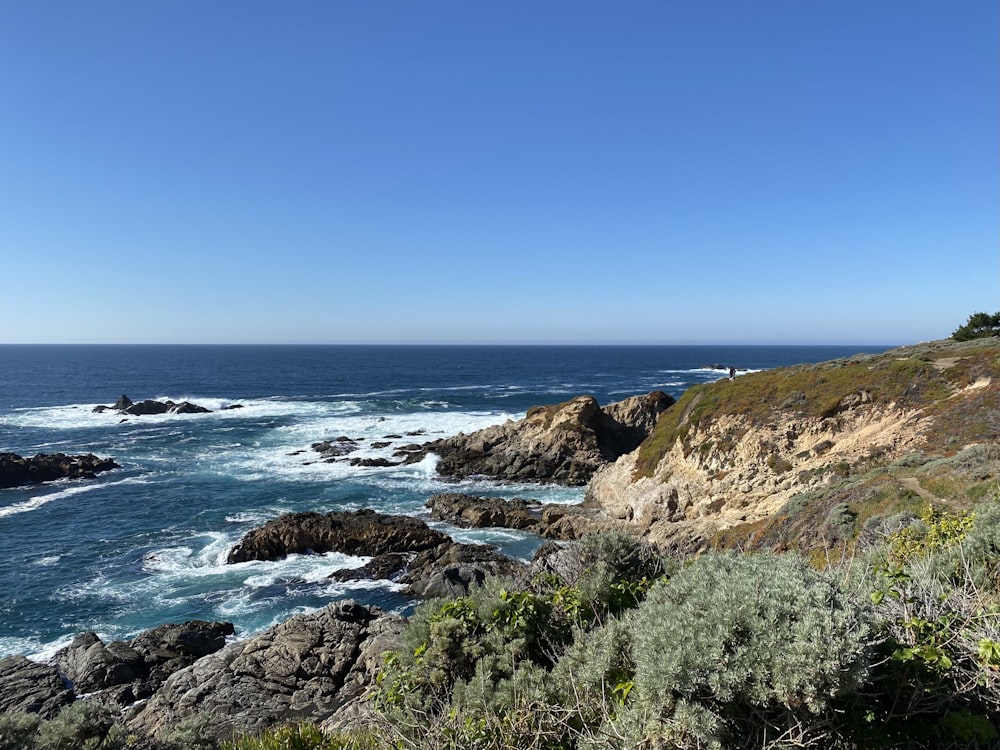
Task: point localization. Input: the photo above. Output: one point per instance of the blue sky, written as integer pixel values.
(490, 172)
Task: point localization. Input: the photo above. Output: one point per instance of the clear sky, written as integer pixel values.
(506, 171)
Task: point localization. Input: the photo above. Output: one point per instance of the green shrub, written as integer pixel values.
(18, 731)
(763, 643)
(305, 736)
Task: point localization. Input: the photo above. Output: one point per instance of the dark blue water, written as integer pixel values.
(145, 544)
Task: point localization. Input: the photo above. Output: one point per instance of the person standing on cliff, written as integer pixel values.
(732, 373)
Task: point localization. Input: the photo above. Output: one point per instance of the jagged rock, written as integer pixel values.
(126, 672)
(380, 567)
(167, 648)
(29, 687)
(451, 569)
(373, 462)
(91, 665)
(470, 511)
(47, 467)
(551, 520)
(361, 532)
(149, 406)
(125, 405)
(186, 407)
(306, 668)
(335, 448)
(564, 443)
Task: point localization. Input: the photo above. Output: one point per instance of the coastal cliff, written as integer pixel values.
(731, 459)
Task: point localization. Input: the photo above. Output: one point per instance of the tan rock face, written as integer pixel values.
(563, 443)
(728, 471)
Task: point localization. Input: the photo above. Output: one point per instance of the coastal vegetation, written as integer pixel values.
(980, 325)
(611, 644)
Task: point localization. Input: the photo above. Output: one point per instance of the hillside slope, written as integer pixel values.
(814, 456)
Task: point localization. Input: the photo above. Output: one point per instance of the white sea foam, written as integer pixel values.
(49, 561)
(33, 648)
(38, 501)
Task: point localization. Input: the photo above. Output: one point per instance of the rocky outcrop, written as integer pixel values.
(124, 672)
(453, 569)
(550, 520)
(306, 668)
(731, 454)
(16, 471)
(565, 443)
(32, 688)
(125, 405)
(361, 532)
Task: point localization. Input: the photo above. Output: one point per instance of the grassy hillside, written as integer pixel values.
(954, 385)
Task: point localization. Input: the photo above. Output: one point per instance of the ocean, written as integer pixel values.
(146, 544)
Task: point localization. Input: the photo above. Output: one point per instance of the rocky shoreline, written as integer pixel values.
(316, 665)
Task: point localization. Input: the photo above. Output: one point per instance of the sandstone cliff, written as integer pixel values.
(732, 460)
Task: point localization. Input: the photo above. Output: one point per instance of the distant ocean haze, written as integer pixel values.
(146, 544)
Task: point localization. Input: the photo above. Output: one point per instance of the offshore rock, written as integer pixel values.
(16, 471)
(550, 520)
(32, 688)
(125, 405)
(304, 669)
(361, 532)
(564, 443)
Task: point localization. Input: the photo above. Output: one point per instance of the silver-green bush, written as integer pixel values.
(752, 646)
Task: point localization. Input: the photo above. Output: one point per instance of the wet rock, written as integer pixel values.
(381, 567)
(16, 471)
(362, 532)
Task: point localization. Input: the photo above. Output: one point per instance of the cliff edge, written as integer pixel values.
(806, 456)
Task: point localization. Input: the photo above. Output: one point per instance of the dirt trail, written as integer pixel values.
(911, 483)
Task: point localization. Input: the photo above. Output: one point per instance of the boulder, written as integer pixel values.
(361, 532)
(47, 467)
(305, 669)
(32, 688)
(91, 665)
(565, 443)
